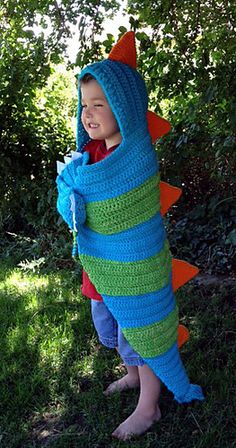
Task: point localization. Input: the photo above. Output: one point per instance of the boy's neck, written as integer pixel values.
(113, 140)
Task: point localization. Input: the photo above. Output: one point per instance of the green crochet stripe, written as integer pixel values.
(115, 278)
(155, 339)
(125, 211)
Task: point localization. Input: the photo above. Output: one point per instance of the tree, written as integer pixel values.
(189, 61)
(33, 38)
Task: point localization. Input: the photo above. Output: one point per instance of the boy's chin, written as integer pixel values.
(94, 134)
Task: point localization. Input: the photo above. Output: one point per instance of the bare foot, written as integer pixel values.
(136, 424)
(127, 382)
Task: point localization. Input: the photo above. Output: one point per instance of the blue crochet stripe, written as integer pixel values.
(113, 180)
(142, 310)
(129, 245)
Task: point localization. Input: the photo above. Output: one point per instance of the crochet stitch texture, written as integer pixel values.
(122, 241)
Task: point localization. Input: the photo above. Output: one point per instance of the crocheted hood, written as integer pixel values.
(121, 237)
(126, 93)
(128, 100)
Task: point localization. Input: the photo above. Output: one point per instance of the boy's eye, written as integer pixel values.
(83, 106)
(98, 105)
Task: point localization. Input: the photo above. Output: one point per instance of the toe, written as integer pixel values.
(121, 435)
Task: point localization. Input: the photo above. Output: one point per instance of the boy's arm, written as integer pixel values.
(70, 204)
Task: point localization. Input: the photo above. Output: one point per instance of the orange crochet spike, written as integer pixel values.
(125, 51)
(157, 126)
(183, 335)
(168, 196)
(182, 272)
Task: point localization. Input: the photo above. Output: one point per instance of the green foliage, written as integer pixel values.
(31, 145)
(205, 236)
(188, 59)
(37, 103)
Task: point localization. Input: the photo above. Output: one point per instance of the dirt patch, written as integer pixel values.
(49, 426)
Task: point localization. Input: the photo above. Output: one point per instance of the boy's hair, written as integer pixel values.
(86, 78)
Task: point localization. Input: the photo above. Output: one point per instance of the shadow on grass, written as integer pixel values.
(40, 398)
(88, 417)
(23, 386)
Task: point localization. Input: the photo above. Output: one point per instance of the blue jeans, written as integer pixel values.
(110, 334)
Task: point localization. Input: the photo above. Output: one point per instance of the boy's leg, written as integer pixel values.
(129, 381)
(105, 324)
(131, 360)
(110, 335)
(147, 411)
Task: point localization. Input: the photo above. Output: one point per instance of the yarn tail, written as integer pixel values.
(75, 253)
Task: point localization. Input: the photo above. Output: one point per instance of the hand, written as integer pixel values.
(70, 204)
(70, 171)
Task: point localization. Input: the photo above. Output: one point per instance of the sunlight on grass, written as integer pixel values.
(38, 289)
(57, 342)
(24, 283)
(87, 366)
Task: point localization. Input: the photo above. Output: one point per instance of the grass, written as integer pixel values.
(53, 371)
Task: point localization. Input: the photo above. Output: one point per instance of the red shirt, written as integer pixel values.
(97, 151)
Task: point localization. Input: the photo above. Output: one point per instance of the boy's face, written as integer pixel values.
(97, 116)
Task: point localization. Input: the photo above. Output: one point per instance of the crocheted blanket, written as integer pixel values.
(118, 208)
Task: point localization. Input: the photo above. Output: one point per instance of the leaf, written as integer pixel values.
(110, 37)
(141, 36)
(122, 29)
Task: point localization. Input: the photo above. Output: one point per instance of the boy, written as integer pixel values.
(101, 126)
(121, 238)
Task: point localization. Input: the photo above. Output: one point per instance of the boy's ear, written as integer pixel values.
(125, 51)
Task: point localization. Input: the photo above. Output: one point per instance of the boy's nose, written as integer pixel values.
(88, 111)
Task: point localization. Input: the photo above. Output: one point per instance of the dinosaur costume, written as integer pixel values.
(118, 205)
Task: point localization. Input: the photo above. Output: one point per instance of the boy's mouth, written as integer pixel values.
(92, 125)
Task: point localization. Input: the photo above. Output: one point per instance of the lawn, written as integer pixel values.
(53, 370)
